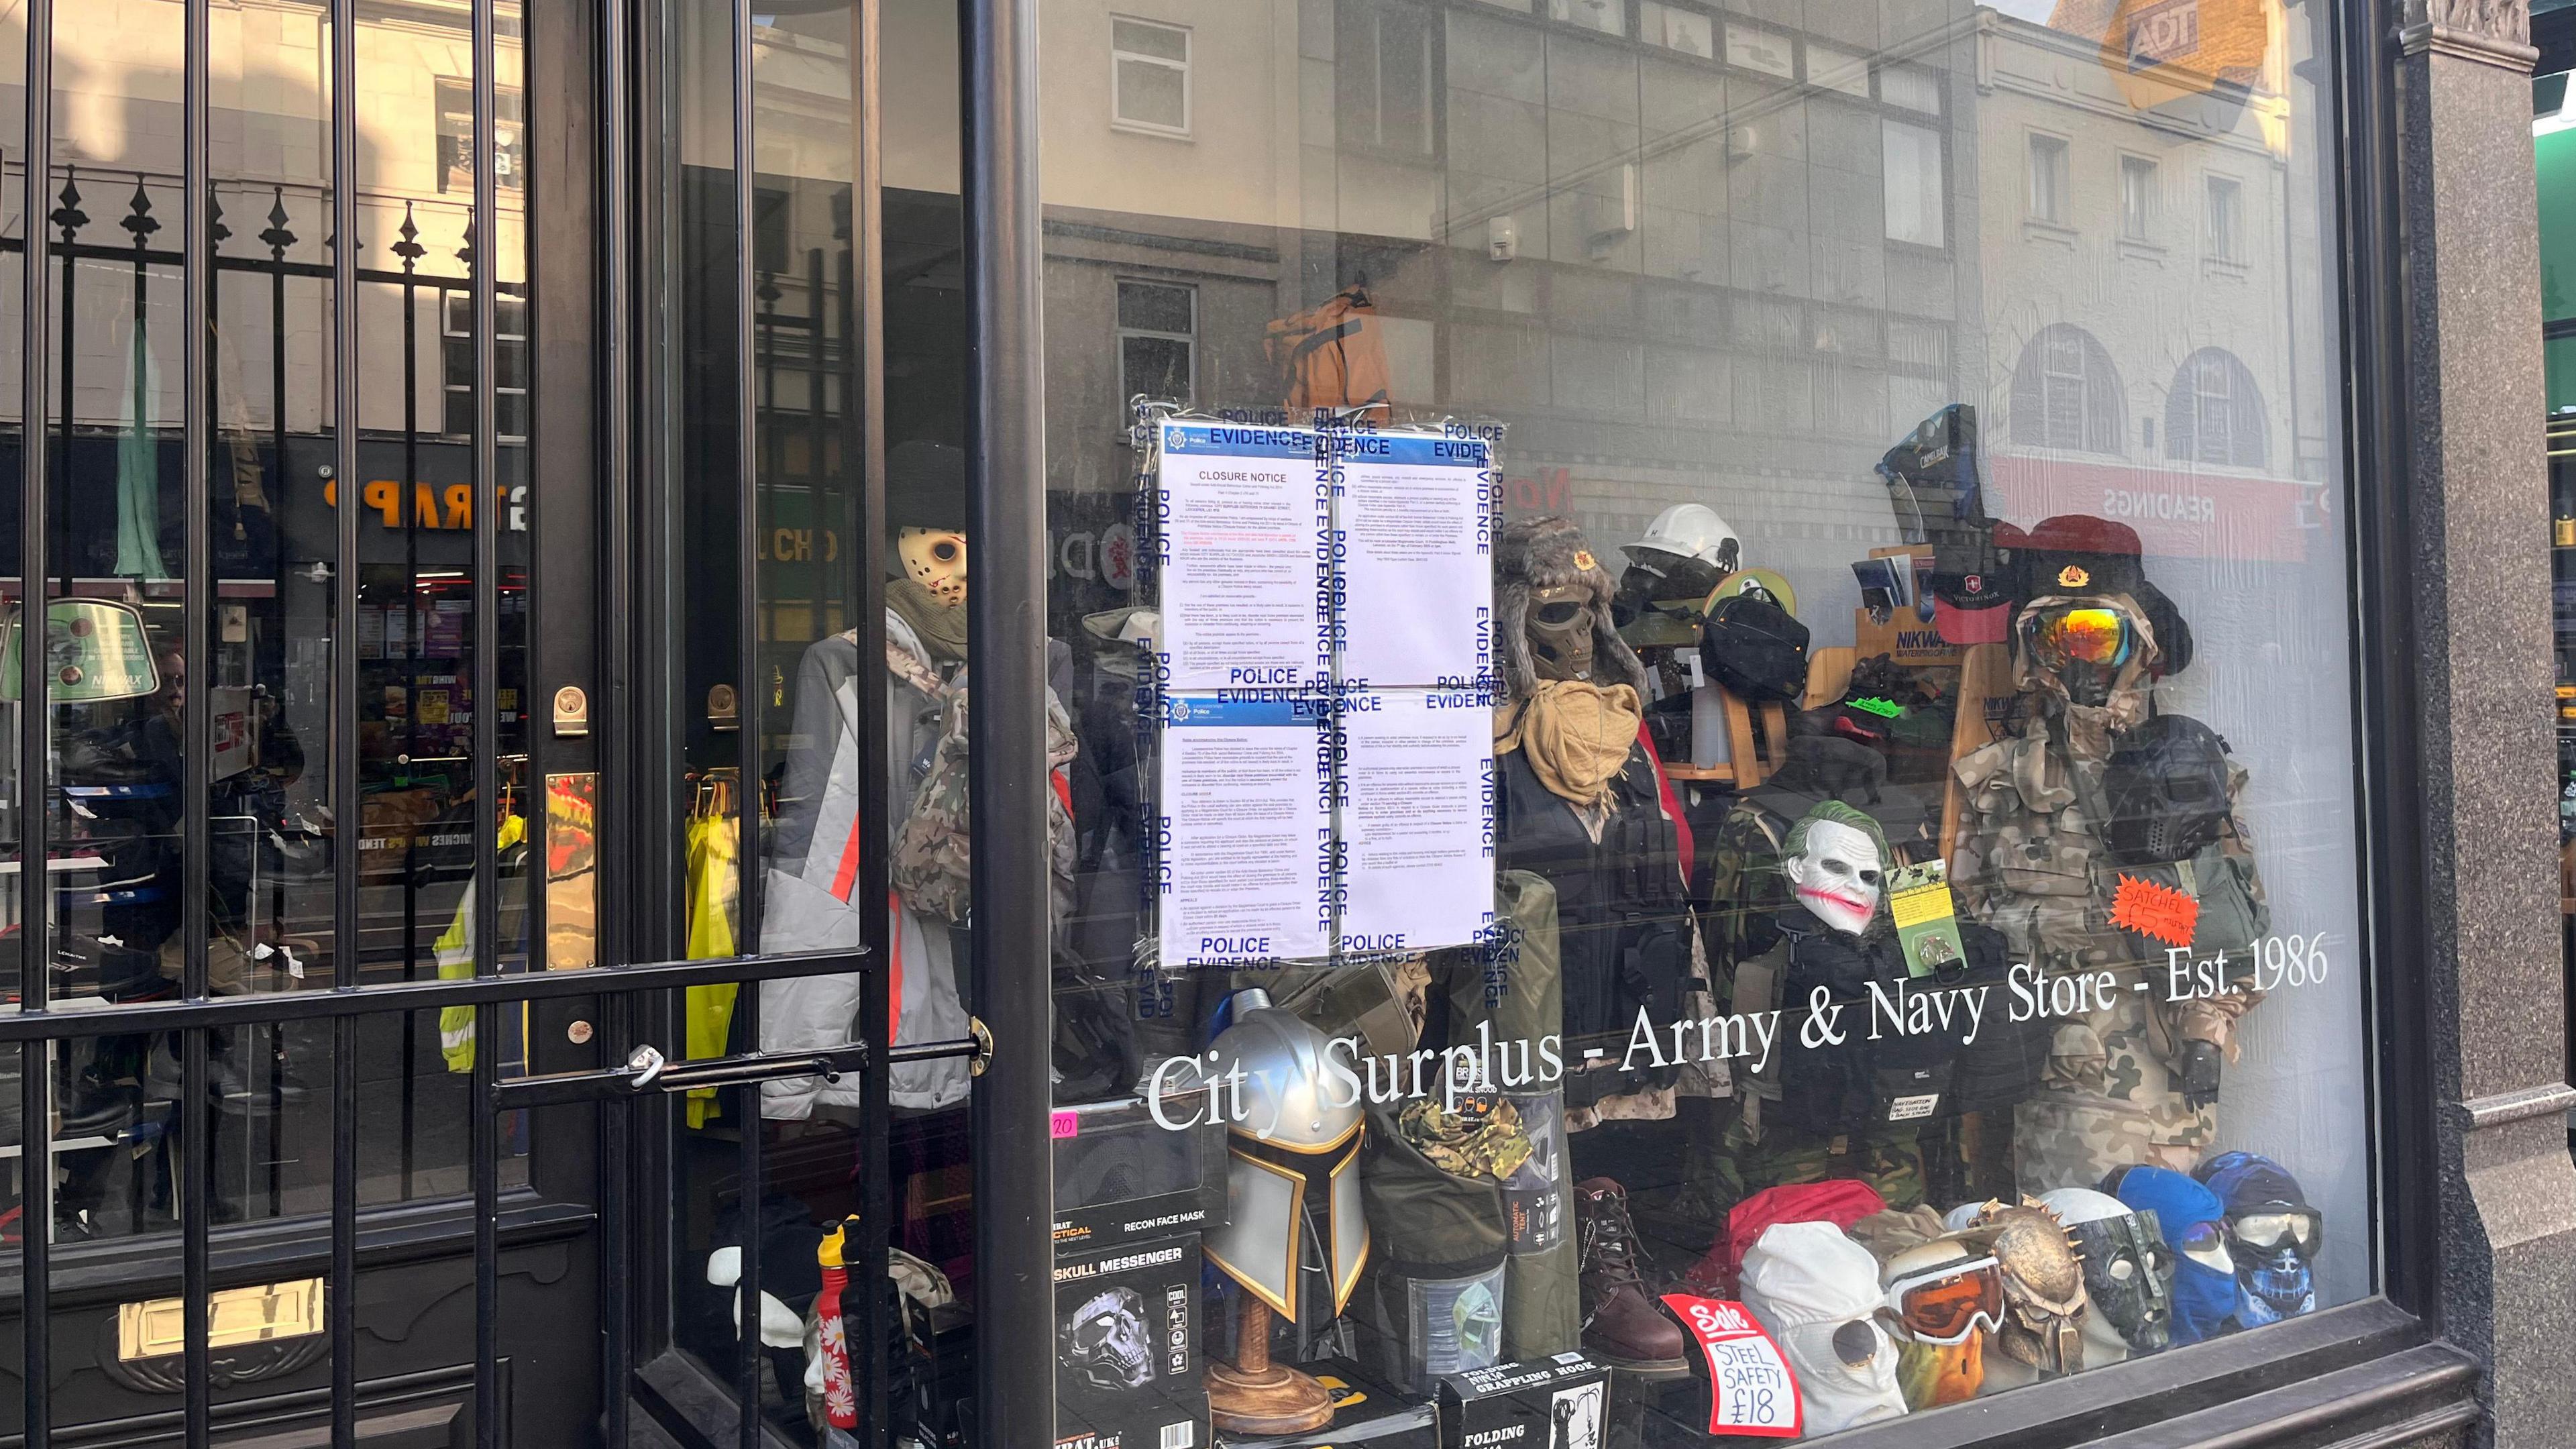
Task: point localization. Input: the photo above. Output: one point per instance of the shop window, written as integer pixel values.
(2223, 221)
(2048, 180)
(2215, 412)
(2066, 394)
(1149, 78)
(1916, 184)
(510, 365)
(2137, 199)
(1602, 941)
(1157, 341)
(1384, 77)
(456, 137)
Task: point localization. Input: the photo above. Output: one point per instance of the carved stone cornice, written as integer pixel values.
(2491, 32)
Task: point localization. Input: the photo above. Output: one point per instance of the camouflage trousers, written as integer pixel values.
(2074, 1139)
(1889, 1158)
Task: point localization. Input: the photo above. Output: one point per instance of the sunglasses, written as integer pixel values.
(2300, 1229)
(2082, 636)
(1946, 1302)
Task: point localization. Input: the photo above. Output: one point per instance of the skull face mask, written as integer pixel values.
(1560, 632)
(935, 558)
(2128, 1273)
(2044, 1302)
(1837, 874)
(1105, 1343)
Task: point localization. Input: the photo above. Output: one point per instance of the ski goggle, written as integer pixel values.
(2297, 1228)
(2201, 1237)
(2089, 635)
(1946, 1302)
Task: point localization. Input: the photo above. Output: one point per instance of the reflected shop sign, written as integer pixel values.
(2177, 514)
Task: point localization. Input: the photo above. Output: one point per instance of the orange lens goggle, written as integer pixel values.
(1947, 1303)
(2083, 636)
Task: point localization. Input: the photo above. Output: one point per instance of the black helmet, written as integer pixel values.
(2166, 790)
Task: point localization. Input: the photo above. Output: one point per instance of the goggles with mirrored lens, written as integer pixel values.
(2201, 1238)
(2298, 1227)
(1946, 1302)
(2094, 636)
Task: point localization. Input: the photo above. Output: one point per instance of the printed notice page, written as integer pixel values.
(1240, 524)
(1415, 529)
(1246, 840)
(1417, 828)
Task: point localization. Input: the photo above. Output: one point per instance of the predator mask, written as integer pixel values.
(2044, 1302)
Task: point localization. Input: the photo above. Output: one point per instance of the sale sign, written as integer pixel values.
(1750, 1388)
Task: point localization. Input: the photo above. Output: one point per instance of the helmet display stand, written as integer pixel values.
(1254, 1396)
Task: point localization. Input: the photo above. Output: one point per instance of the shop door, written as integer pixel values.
(384, 928)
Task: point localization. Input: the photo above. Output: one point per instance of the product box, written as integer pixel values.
(1121, 1176)
(1365, 1412)
(1550, 1403)
(1127, 1347)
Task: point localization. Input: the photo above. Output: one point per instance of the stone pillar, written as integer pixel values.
(2505, 1285)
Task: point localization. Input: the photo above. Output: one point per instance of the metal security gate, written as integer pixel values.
(592, 996)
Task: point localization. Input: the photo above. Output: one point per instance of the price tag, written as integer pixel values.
(2155, 910)
(1750, 1388)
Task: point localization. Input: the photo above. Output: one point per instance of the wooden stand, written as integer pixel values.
(1254, 1396)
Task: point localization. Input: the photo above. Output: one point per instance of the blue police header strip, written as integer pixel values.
(1245, 440)
(1238, 440)
(1245, 709)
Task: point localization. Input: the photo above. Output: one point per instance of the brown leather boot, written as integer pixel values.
(1623, 1326)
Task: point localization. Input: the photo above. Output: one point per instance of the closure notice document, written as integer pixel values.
(1242, 548)
(1326, 779)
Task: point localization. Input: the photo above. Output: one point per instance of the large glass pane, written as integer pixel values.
(1734, 714)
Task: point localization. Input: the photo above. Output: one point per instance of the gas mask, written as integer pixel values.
(935, 558)
(2044, 1298)
(1837, 874)
(1106, 1343)
(2192, 1221)
(1818, 1292)
(2272, 1236)
(1294, 1147)
(2128, 1273)
(1560, 632)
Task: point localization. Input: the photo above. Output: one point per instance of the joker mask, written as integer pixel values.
(1837, 875)
(935, 558)
(1560, 632)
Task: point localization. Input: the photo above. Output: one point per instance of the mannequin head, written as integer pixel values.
(2128, 1273)
(1836, 860)
(1552, 611)
(2272, 1234)
(1941, 1290)
(2044, 1297)
(935, 558)
(2192, 1221)
(1818, 1293)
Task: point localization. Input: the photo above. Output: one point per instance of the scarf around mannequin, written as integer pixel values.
(942, 629)
(1576, 736)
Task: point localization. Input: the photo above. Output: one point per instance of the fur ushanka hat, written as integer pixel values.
(1546, 553)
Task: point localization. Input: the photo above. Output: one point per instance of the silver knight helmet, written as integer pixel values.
(1293, 1149)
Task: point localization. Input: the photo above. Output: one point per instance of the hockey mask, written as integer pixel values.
(2128, 1273)
(1818, 1293)
(2190, 1218)
(1560, 632)
(2043, 1287)
(1837, 873)
(935, 558)
(1106, 1345)
(2272, 1235)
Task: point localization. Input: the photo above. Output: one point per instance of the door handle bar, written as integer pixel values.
(648, 1070)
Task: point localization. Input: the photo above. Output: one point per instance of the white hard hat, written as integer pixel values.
(1692, 530)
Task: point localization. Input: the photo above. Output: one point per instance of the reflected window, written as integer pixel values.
(1150, 75)
(2215, 412)
(2223, 232)
(1610, 17)
(2048, 180)
(1384, 77)
(509, 359)
(2137, 198)
(1157, 341)
(456, 137)
(1912, 157)
(2066, 394)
